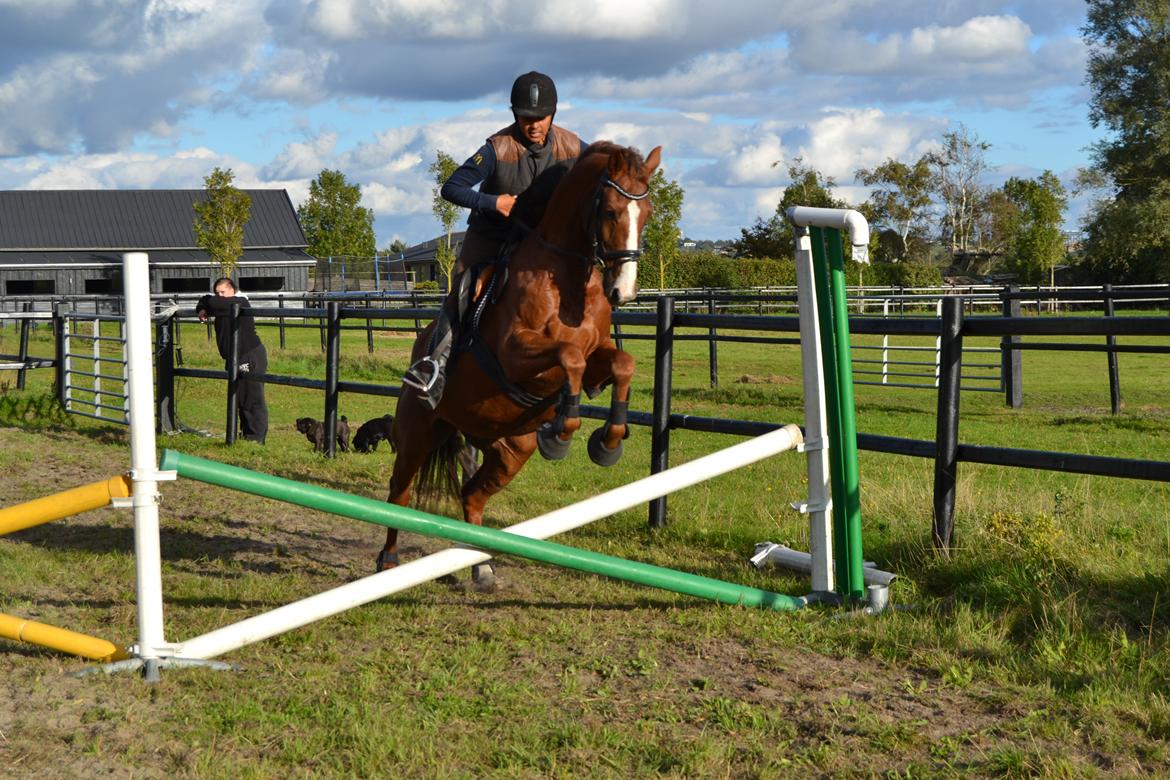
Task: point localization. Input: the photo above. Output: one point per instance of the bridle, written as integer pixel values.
(618, 256)
(600, 259)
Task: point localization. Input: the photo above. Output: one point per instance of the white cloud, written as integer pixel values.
(108, 93)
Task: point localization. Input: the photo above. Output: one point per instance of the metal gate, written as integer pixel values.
(96, 369)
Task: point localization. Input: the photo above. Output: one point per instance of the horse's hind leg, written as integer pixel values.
(609, 362)
(412, 438)
(501, 462)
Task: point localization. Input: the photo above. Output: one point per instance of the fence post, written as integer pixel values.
(332, 372)
(165, 375)
(59, 357)
(1111, 341)
(369, 329)
(713, 348)
(946, 461)
(1011, 361)
(321, 323)
(280, 319)
(660, 426)
(23, 352)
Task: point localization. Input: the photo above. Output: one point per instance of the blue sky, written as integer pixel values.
(156, 93)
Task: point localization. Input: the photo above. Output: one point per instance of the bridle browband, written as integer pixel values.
(619, 256)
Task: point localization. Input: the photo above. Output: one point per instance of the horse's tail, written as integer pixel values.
(438, 479)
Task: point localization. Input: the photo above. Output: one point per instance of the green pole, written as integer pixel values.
(841, 566)
(848, 421)
(403, 518)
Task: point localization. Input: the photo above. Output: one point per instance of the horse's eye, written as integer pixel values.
(610, 215)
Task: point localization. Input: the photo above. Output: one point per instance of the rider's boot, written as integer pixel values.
(428, 374)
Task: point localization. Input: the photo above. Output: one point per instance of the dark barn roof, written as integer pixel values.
(73, 220)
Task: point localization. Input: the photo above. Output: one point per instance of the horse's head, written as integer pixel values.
(622, 206)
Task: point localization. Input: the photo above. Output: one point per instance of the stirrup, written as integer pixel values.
(413, 376)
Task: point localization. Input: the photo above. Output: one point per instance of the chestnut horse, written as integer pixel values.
(515, 380)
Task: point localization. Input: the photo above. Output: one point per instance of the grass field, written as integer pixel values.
(1039, 649)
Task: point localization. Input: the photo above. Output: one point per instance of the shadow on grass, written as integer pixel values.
(180, 546)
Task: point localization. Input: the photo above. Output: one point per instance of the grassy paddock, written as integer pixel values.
(1039, 649)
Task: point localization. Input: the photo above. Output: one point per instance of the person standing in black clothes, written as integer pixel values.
(253, 357)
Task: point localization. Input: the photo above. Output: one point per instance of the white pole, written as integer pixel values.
(816, 427)
(143, 457)
(453, 559)
(885, 344)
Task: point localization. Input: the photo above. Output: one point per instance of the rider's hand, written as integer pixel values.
(504, 204)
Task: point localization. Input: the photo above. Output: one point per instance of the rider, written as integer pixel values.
(504, 167)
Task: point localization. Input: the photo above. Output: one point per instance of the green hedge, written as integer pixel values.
(707, 269)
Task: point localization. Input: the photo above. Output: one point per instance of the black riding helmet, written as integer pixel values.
(534, 96)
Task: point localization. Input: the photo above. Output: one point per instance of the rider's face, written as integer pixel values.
(535, 130)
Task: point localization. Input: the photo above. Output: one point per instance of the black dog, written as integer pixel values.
(314, 431)
(373, 431)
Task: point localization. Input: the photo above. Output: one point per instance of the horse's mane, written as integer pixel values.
(630, 158)
(531, 204)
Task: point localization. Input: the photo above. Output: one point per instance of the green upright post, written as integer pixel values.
(825, 314)
(848, 421)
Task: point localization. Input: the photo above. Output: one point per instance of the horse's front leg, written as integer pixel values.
(529, 353)
(605, 364)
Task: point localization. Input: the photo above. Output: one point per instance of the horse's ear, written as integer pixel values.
(653, 160)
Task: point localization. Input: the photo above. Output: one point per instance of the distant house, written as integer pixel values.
(70, 242)
(419, 259)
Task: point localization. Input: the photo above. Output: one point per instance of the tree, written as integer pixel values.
(445, 211)
(1038, 245)
(661, 235)
(900, 201)
(1128, 235)
(996, 225)
(220, 218)
(774, 237)
(762, 239)
(397, 247)
(334, 221)
(959, 170)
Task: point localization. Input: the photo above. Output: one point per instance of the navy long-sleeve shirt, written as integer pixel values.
(460, 187)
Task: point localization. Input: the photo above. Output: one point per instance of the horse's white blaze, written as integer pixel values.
(632, 237)
(626, 283)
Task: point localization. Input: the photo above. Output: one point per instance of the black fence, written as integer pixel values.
(951, 329)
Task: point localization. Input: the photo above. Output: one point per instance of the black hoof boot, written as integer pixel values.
(387, 560)
(599, 453)
(550, 444)
(483, 577)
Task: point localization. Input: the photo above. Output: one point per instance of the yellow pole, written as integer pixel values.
(59, 639)
(64, 504)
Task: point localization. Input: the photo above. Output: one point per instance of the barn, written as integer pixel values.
(70, 242)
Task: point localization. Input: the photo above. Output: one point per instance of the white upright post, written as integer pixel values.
(143, 460)
(816, 437)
